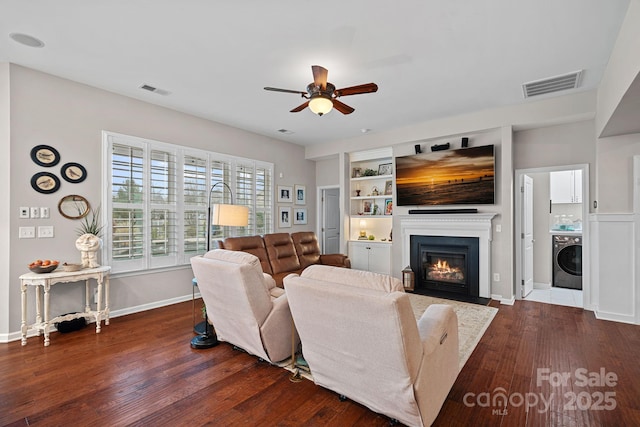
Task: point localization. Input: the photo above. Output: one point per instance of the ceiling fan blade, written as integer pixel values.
(320, 76)
(356, 90)
(275, 89)
(342, 107)
(300, 107)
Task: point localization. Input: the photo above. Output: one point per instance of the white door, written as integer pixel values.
(331, 221)
(527, 235)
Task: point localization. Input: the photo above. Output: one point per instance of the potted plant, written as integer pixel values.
(89, 241)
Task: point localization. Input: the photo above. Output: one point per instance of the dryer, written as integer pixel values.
(567, 261)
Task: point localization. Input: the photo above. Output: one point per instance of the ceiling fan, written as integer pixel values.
(323, 96)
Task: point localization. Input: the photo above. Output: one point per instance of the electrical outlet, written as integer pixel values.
(498, 228)
(45, 231)
(27, 233)
(24, 212)
(496, 277)
(35, 212)
(44, 212)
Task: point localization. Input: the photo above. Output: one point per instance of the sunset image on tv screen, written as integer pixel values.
(452, 177)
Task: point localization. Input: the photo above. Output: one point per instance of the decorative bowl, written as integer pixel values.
(40, 269)
(70, 267)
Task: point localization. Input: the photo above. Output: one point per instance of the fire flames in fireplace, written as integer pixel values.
(442, 271)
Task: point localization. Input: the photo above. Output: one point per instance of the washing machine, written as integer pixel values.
(567, 261)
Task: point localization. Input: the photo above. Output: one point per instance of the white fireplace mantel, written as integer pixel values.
(456, 225)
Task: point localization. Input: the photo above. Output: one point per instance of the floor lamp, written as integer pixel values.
(219, 214)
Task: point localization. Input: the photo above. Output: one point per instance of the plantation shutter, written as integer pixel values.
(195, 205)
(220, 173)
(244, 193)
(263, 202)
(127, 184)
(157, 197)
(162, 222)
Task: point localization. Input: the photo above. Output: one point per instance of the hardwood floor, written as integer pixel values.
(141, 371)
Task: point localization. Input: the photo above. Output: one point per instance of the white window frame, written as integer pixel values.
(180, 258)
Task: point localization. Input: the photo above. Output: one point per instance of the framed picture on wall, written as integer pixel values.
(299, 216)
(300, 194)
(285, 193)
(284, 217)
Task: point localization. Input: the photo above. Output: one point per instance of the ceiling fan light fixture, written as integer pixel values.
(320, 104)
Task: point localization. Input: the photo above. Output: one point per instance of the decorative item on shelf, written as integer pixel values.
(388, 207)
(375, 209)
(363, 230)
(391, 235)
(70, 267)
(367, 206)
(388, 187)
(219, 214)
(356, 173)
(385, 169)
(45, 182)
(301, 194)
(45, 155)
(374, 191)
(89, 242)
(369, 172)
(408, 279)
(41, 267)
(372, 237)
(358, 192)
(73, 172)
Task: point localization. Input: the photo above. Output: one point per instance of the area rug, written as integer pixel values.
(473, 321)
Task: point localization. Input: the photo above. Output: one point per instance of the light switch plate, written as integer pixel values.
(24, 212)
(44, 212)
(35, 212)
(45, 231)
(27, 233)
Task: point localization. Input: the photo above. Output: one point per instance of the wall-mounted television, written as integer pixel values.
(453, 177)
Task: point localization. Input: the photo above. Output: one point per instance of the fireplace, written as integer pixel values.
(474, 225)
(448, 264)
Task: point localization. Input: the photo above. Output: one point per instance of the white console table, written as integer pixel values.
(43, 283)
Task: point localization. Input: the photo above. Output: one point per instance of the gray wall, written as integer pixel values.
(70, 117)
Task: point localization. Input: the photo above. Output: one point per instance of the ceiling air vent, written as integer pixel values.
(552, 84)
(285, 131)
(154, 89)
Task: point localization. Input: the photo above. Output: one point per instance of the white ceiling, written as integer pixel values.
(430, 59)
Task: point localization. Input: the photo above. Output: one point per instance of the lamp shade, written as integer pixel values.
(320, 105)
(233, 215)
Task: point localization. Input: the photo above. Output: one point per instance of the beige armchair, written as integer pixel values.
(361, 339)
(244, 304)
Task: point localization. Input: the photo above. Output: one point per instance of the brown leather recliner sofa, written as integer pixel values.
(281, 254)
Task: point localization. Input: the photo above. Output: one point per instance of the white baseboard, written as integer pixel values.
(615, 317)
(505, 301)
(15, 336)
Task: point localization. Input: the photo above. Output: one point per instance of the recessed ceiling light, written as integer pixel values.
(365, 130)
(26, 40)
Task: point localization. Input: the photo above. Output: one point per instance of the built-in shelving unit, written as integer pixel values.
(371, 201)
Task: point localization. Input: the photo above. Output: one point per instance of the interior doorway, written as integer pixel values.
(557, 199)
(329, 219)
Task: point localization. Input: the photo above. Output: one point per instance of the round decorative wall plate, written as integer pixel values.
(45, 182)
(73, 172)
(45, 155)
